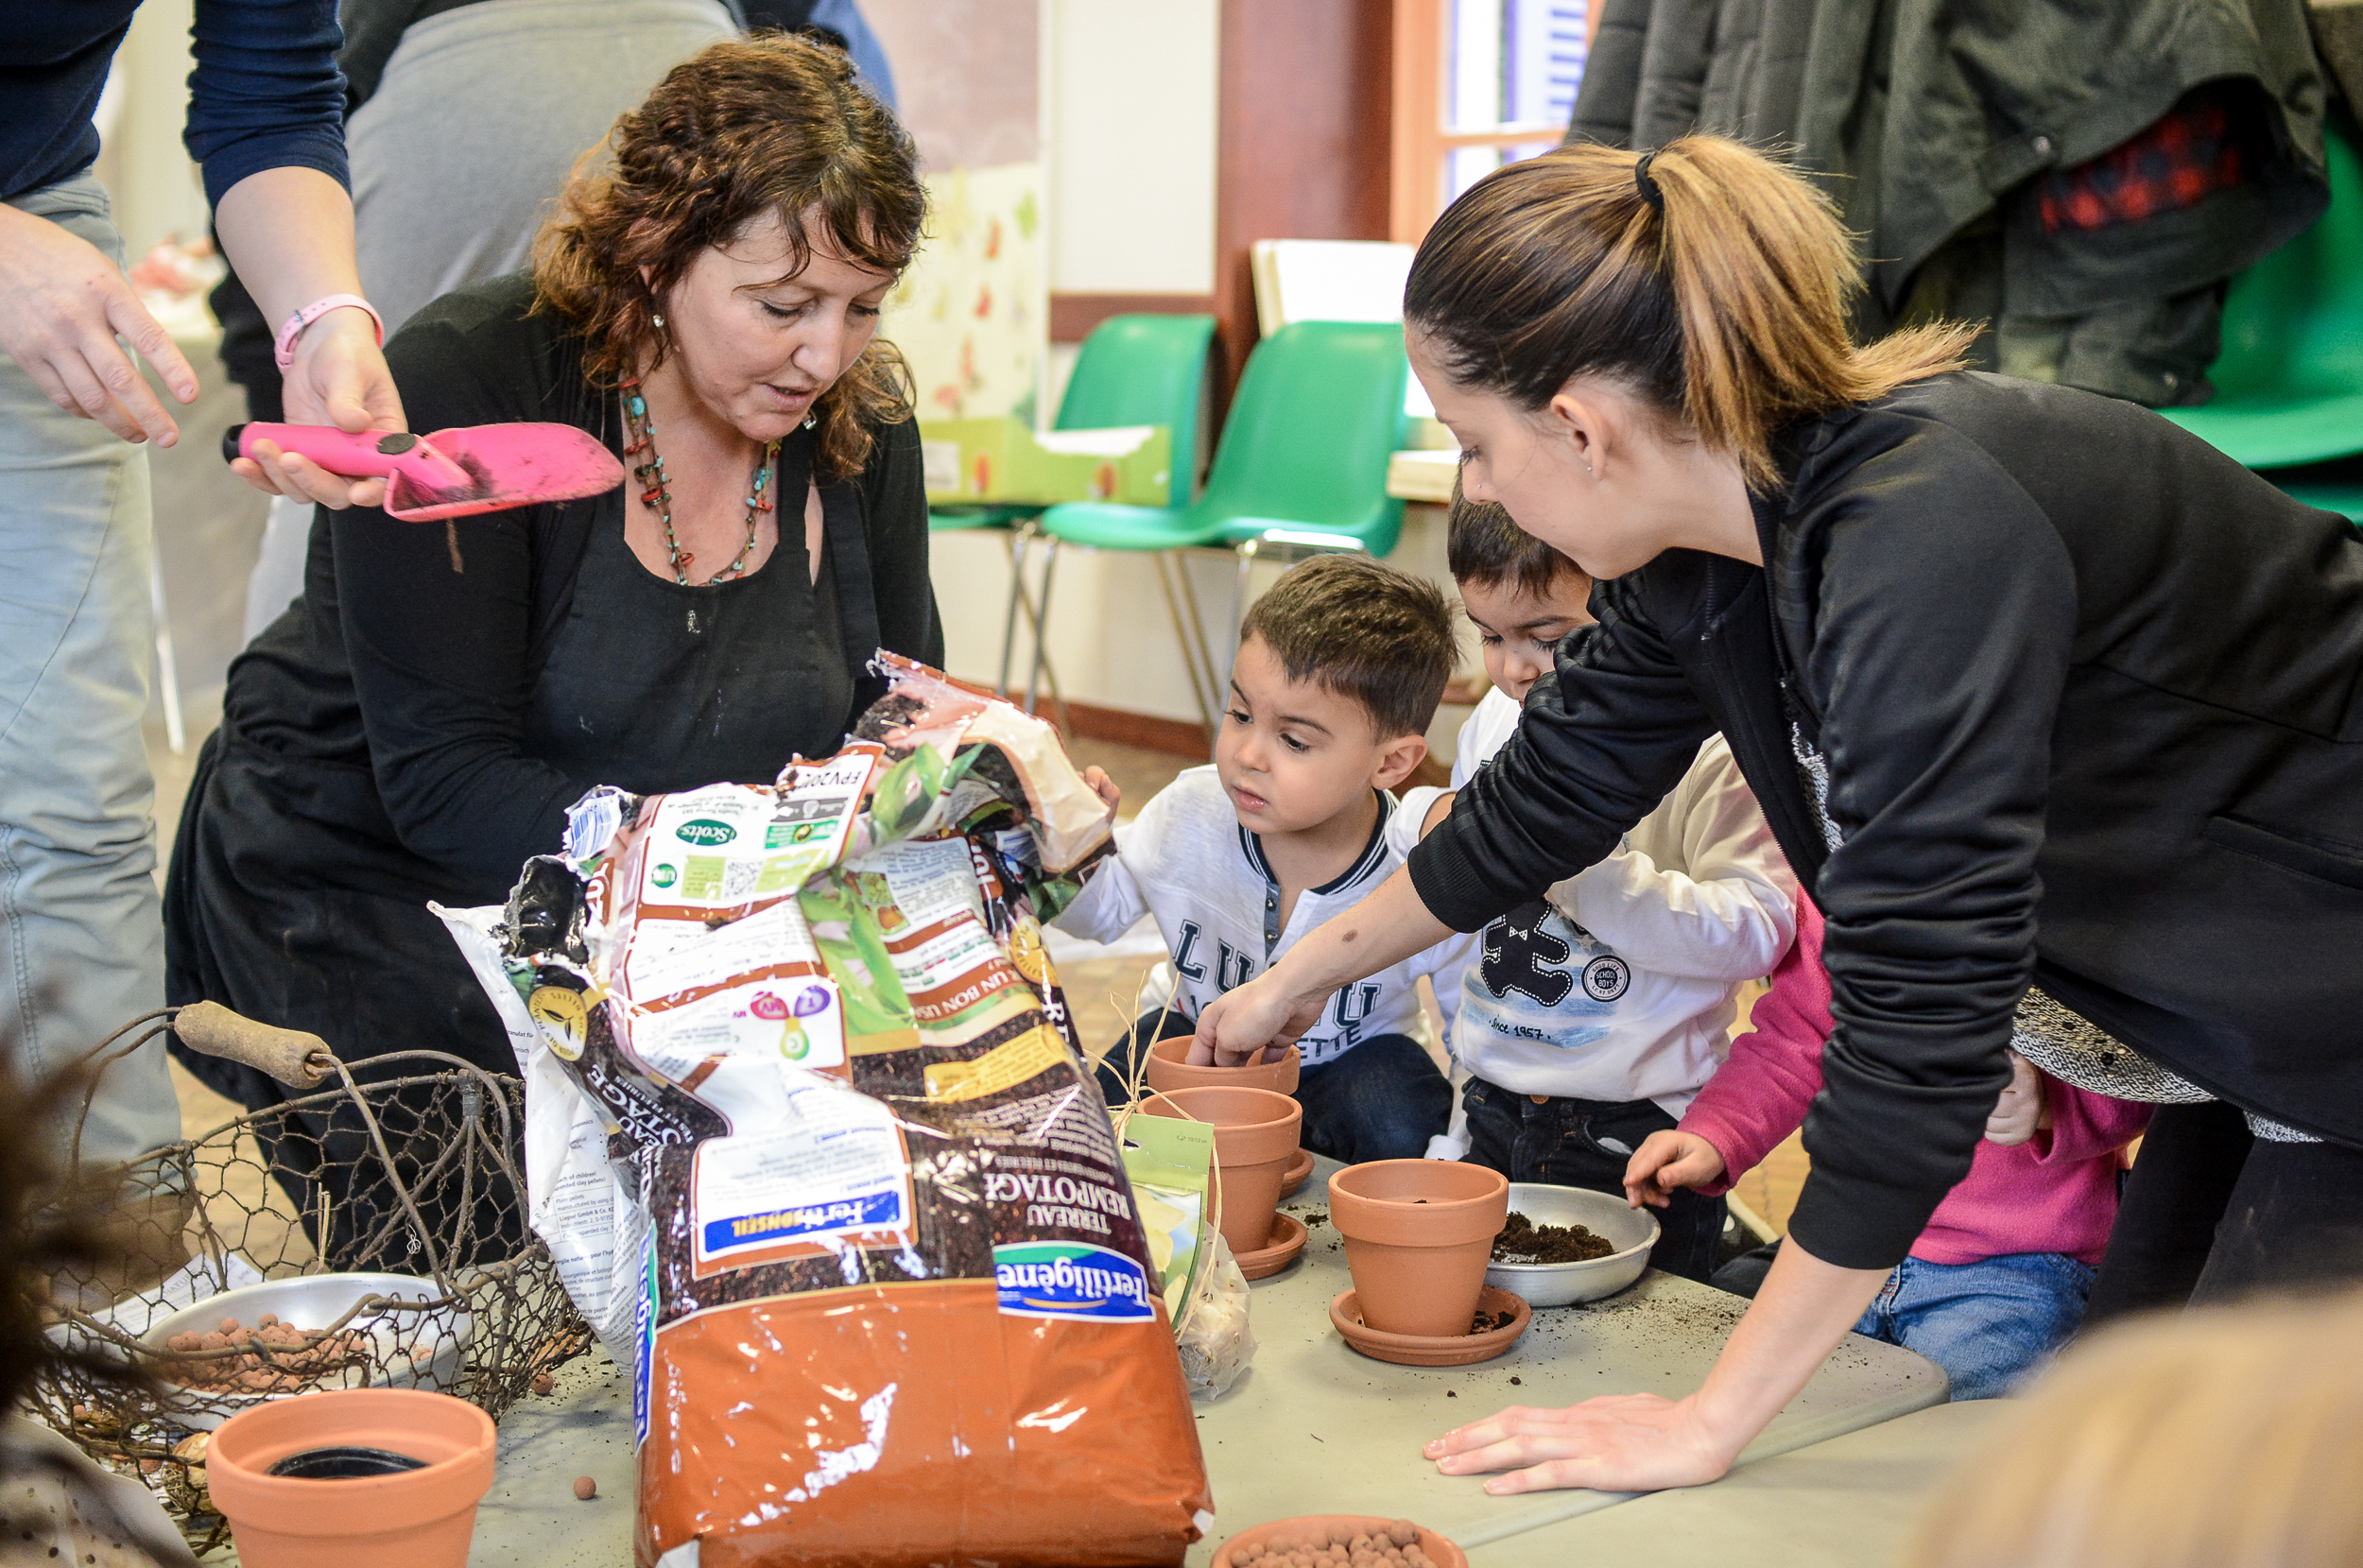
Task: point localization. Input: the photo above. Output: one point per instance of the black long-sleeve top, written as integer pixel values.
(266, 93)
(388, 714)
(2090, 698)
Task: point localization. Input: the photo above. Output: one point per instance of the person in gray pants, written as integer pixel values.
(82, 939)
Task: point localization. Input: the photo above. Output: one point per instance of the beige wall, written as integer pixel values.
(155, 186)
(1130, 114)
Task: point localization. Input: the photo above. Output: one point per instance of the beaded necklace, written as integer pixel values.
(659, 493)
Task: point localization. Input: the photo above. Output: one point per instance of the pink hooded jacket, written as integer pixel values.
(2056, 1193)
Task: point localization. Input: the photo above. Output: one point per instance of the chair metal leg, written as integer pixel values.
(1190, 634)
(1015, 542)
(167, 662)
(1038, 617)
(1214, 682)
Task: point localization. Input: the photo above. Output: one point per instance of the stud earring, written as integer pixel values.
(659, 320)
(811, 419)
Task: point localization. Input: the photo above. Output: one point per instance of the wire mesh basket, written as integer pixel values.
(371, 1232)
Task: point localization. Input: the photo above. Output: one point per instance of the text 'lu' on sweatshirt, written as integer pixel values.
(1187, 862)
(1618, 983)
(2056, 1193)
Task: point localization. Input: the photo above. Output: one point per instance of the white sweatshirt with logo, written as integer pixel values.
(1187, 862)
(1620, 984)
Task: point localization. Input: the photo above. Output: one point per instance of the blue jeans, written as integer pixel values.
(79, 923)
(1987, 1323)
(1382, 1100)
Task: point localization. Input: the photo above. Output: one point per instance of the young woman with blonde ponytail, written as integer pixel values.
(2057, 711)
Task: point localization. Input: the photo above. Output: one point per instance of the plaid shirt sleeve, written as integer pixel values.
(2207, 142)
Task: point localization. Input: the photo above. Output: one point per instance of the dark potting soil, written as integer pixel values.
(1523, 1241)
(349, 1463)
(1486, 1322)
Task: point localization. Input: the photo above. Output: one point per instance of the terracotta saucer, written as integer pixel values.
(1439, 1551)
(1422, 1350)
(1300, 1171)
(1278, 1252)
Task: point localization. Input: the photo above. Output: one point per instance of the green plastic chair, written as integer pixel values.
(2289, 383)
(1131, 369)
(2334, 496)
(1300, 466)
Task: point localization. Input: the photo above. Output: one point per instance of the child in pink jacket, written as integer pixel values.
(1998, 1279)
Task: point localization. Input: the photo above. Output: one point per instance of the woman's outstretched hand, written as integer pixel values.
(1387, 926)
(1640, 1442)
(1235, 1026)
(1619, 1442)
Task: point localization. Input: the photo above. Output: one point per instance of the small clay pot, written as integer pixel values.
(420, 1518)
(1169, 1068)
(1255, 1141)
(1418, 1234)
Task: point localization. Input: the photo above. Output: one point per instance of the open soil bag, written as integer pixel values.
(895, 1302)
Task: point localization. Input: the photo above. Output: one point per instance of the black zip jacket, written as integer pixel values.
(2088, 693)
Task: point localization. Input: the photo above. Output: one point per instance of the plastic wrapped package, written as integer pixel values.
(895, 1303)
(1216, 1343)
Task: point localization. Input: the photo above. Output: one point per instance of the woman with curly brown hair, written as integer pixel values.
(416, 725)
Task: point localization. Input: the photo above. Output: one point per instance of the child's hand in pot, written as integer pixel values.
(1235, 1027)
(1667, 1160)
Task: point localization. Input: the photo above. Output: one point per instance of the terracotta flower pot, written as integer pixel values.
(1169, 1069)
(1418, 1234)
(420, 1518)
(1255, 1141)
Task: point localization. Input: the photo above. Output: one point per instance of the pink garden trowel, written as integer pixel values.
(452, 472)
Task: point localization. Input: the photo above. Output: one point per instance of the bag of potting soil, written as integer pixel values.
(896, 1304)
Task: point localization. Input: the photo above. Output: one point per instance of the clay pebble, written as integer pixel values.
(298, 1356)
(1392, 1545)
(585, 1489)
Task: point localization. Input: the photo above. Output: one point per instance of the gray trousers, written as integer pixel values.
(80, 928)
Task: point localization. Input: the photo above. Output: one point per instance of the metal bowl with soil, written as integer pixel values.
(1627, 1234)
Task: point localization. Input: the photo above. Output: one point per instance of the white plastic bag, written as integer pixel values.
(577, 1202)
(1215, 1342)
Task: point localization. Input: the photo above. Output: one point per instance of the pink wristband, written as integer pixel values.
(283, 349)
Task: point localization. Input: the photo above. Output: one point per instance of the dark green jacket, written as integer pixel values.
(1921, 116)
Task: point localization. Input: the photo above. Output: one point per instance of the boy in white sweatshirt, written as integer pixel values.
(1590, 1018)
(1338, 675)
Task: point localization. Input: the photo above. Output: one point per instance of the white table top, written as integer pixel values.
(1313, 1427)
(1848, 1503)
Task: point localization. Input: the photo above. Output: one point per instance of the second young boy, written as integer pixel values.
(1590, 1018)
(1338, 672)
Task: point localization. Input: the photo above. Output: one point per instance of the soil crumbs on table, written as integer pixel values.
(1523, 1241)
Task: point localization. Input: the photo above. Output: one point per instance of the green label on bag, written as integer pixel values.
(705, 830)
